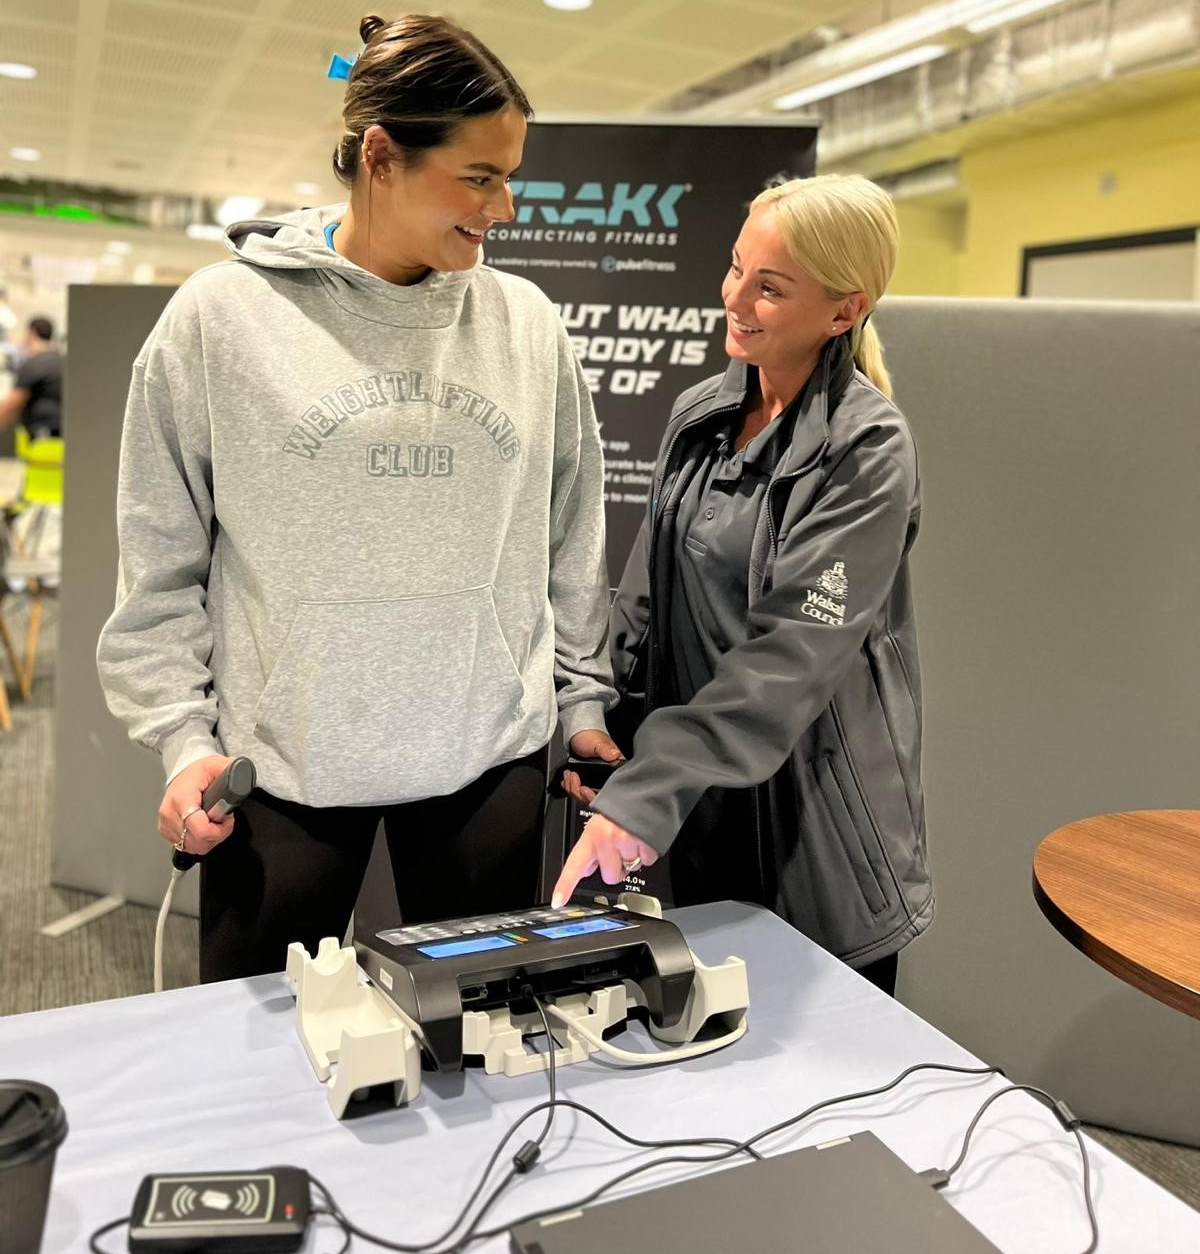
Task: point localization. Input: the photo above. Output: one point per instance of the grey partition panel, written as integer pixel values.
(106, 790)
(1058, 601)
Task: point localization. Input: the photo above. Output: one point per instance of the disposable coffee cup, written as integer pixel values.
(32, 1127)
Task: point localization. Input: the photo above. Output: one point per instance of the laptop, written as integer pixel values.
(849, 1196)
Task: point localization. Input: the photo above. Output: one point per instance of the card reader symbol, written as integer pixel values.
(188, 1203)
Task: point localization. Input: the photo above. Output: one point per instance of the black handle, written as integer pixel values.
(234, 784)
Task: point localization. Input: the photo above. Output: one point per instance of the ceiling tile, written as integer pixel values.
(36, 44)
(721, 28)
(173, 63)
(582, 95)
(641, 62)
(52, 12)
(303, 49)
(177, 24)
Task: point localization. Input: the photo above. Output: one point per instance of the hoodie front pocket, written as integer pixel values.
(376, 701)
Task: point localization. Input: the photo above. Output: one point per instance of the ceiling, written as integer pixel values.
(222, 97)
(214, 98)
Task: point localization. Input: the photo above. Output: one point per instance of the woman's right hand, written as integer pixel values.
(182, 800)
(573, 786)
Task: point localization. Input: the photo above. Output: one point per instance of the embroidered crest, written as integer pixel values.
(834, 581)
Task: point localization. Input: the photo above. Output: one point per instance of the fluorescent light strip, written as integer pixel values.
(918, 27)
(858, 78)
(1010, 13)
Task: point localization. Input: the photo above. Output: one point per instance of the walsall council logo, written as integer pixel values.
(834, 581)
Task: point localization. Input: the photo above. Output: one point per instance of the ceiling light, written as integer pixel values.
(25, 154)
(306, 189)
(204, 230)
(236, 208)
(14, 69)
(1010, 13)
(568, 6)
(857, 78)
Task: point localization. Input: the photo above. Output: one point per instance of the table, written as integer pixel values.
(1125, 890)
(215, 1077)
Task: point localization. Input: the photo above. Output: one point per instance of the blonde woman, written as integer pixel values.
(763, 637)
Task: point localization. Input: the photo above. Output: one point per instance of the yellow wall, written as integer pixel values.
(1049, 188)
(931, 242)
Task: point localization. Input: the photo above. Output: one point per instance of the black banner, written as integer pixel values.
(627, 228)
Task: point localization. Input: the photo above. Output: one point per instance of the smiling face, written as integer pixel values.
(779, 318)
(434, 215)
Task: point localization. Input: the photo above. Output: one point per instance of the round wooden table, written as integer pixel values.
(1125, 889)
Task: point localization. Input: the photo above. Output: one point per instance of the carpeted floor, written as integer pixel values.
(113, 957)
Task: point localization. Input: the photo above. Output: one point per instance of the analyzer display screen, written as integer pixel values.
(471, 945)
(580, 928)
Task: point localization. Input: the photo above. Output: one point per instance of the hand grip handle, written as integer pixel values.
(234, 784)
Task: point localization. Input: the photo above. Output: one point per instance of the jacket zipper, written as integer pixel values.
(655, 525)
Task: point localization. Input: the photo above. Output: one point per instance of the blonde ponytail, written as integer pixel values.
(868, 357)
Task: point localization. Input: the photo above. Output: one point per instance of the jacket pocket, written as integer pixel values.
(853, 840)
(392, 700)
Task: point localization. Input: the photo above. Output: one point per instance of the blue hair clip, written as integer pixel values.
(339, 67)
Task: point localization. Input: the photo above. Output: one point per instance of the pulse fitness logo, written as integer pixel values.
(594, 213)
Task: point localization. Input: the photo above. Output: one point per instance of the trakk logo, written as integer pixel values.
(596, 204)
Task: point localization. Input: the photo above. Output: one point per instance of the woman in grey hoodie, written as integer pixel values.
(763, 637)
(361, 524)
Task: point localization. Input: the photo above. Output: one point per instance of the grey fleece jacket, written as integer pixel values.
(361, 526)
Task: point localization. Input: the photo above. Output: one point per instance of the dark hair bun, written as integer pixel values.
(369, 27)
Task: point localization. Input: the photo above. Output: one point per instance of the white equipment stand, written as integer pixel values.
(355, 1036)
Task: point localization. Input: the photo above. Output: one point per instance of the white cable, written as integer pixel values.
(176, 875)
(627, 1055)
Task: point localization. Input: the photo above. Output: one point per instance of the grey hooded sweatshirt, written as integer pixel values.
(361, 526)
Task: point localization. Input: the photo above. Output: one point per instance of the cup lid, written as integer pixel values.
(31, 1118)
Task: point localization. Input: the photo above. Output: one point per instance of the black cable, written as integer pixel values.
(550, 1107)
(1070, 1124)
(341, 1223)
(474, 1233)
(116, 1223)
(523, 1160)
(746, 1146)
(883, 1088)
(552, 1046)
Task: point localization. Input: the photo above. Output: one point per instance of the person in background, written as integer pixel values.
(35, 399)
(361, 523)
(763, 636)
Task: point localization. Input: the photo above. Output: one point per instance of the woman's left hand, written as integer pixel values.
(604, 845)
(594, 743)
(589, 744)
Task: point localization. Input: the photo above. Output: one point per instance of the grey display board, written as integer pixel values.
(106, 790)
(1058, 597)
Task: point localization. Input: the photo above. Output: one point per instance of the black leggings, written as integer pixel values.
(292, 873)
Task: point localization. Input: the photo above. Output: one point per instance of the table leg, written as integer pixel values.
(25, 676)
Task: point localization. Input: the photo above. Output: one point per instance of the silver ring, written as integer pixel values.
(634, 864)
(183, 831)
